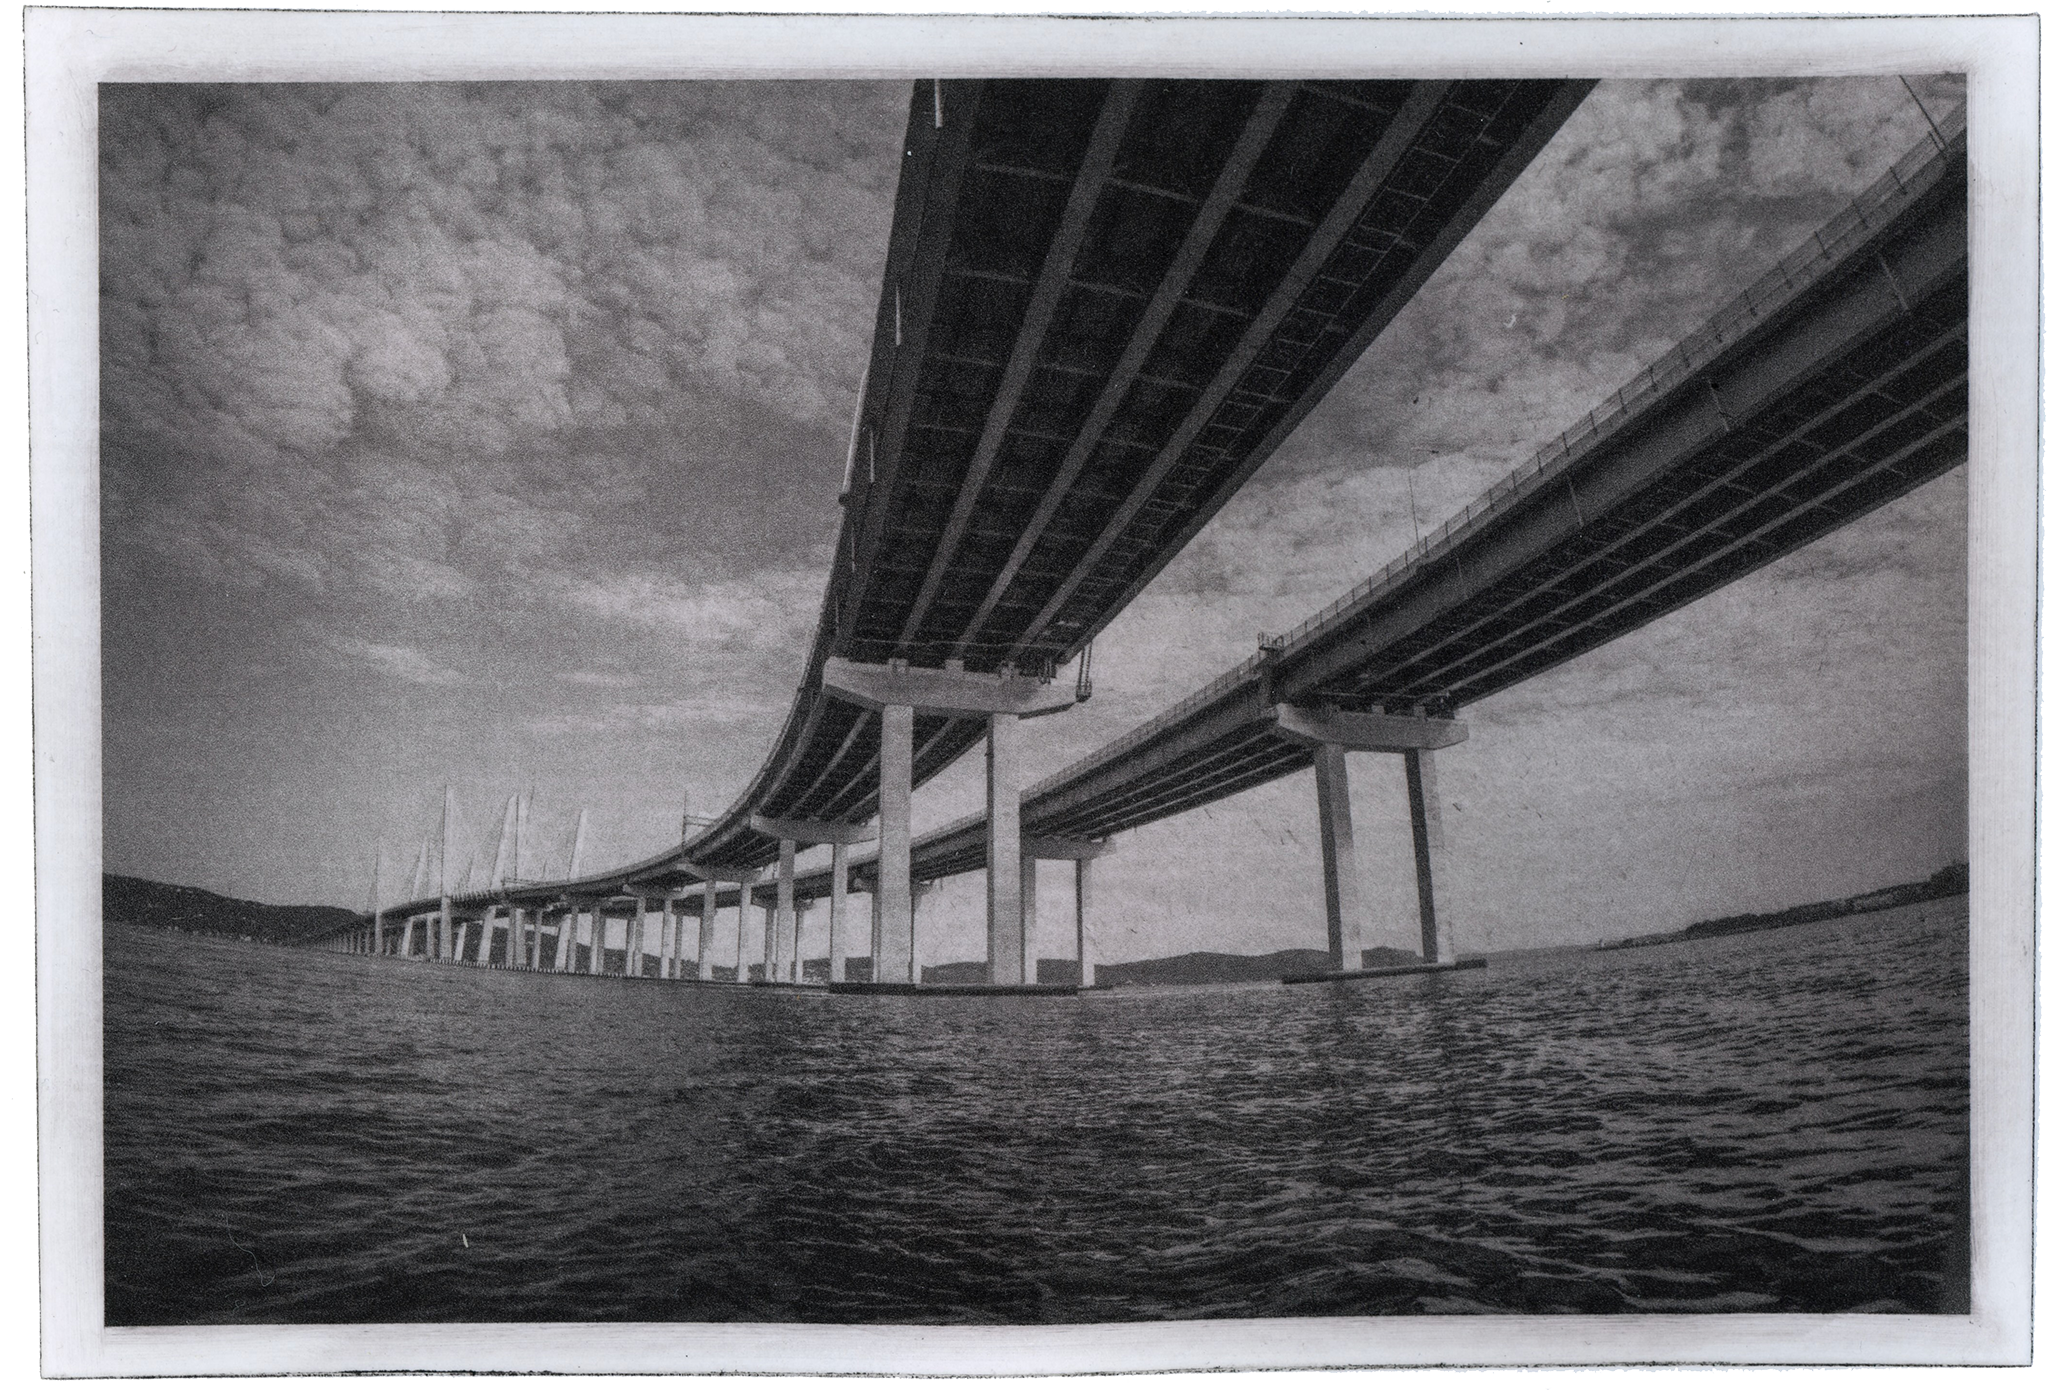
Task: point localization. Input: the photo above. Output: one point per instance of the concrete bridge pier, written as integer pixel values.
(636, 938)
(1027, 915)
(917, 896)
(707, 928)
(742, 966)
(1432, 855)
(444, 937)
(1005, 855)
(598, 930)
(1341, 893)
(894, 958)
(1334, 734)
(835, 933)
(1082, 853)
(565, 940)
(900, 693)
(796, 834)
(775, 960)
(667, 968)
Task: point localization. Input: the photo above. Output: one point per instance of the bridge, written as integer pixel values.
(1836, 383)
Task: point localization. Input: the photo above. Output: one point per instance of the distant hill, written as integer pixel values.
(1193, 968)
(1949, 882)
(144, 903)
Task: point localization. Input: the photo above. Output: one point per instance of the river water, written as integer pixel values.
(1774, 1121)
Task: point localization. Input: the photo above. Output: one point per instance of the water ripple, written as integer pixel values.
(1766, 1122)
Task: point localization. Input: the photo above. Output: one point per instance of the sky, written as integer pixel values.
(490, 436)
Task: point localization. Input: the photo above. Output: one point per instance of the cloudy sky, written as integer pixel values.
(489, 435)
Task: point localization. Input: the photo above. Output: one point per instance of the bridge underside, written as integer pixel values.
(1848, 395)
(1105, 304)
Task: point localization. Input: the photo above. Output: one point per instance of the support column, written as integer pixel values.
(739, 958)
(1027, 914)
(565, 940)
(1004, 845)
(707, 928)
(1432, 856)
(1341, 911)
(461, 941)
(777, 967)
(668, 938)
(597, 933)
(1084, 940)
(405, 938)
(444, 939)
(917, 892)
(796, 944)
(892, 869)
(636, 939)
(377, 932)
(835, 935)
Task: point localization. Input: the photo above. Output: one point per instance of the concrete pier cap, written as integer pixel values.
(813, 831)
(950, 692)
(709, 873)
(1058, 849)
(1366, 732)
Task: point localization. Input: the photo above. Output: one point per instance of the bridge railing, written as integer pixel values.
(1841, 235)
(1231, 678)
(1867, 214)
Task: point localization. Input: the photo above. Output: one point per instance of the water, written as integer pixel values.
(1775, 1121)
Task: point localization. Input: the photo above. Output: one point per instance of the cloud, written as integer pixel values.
(400, 662)
(595, 680)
